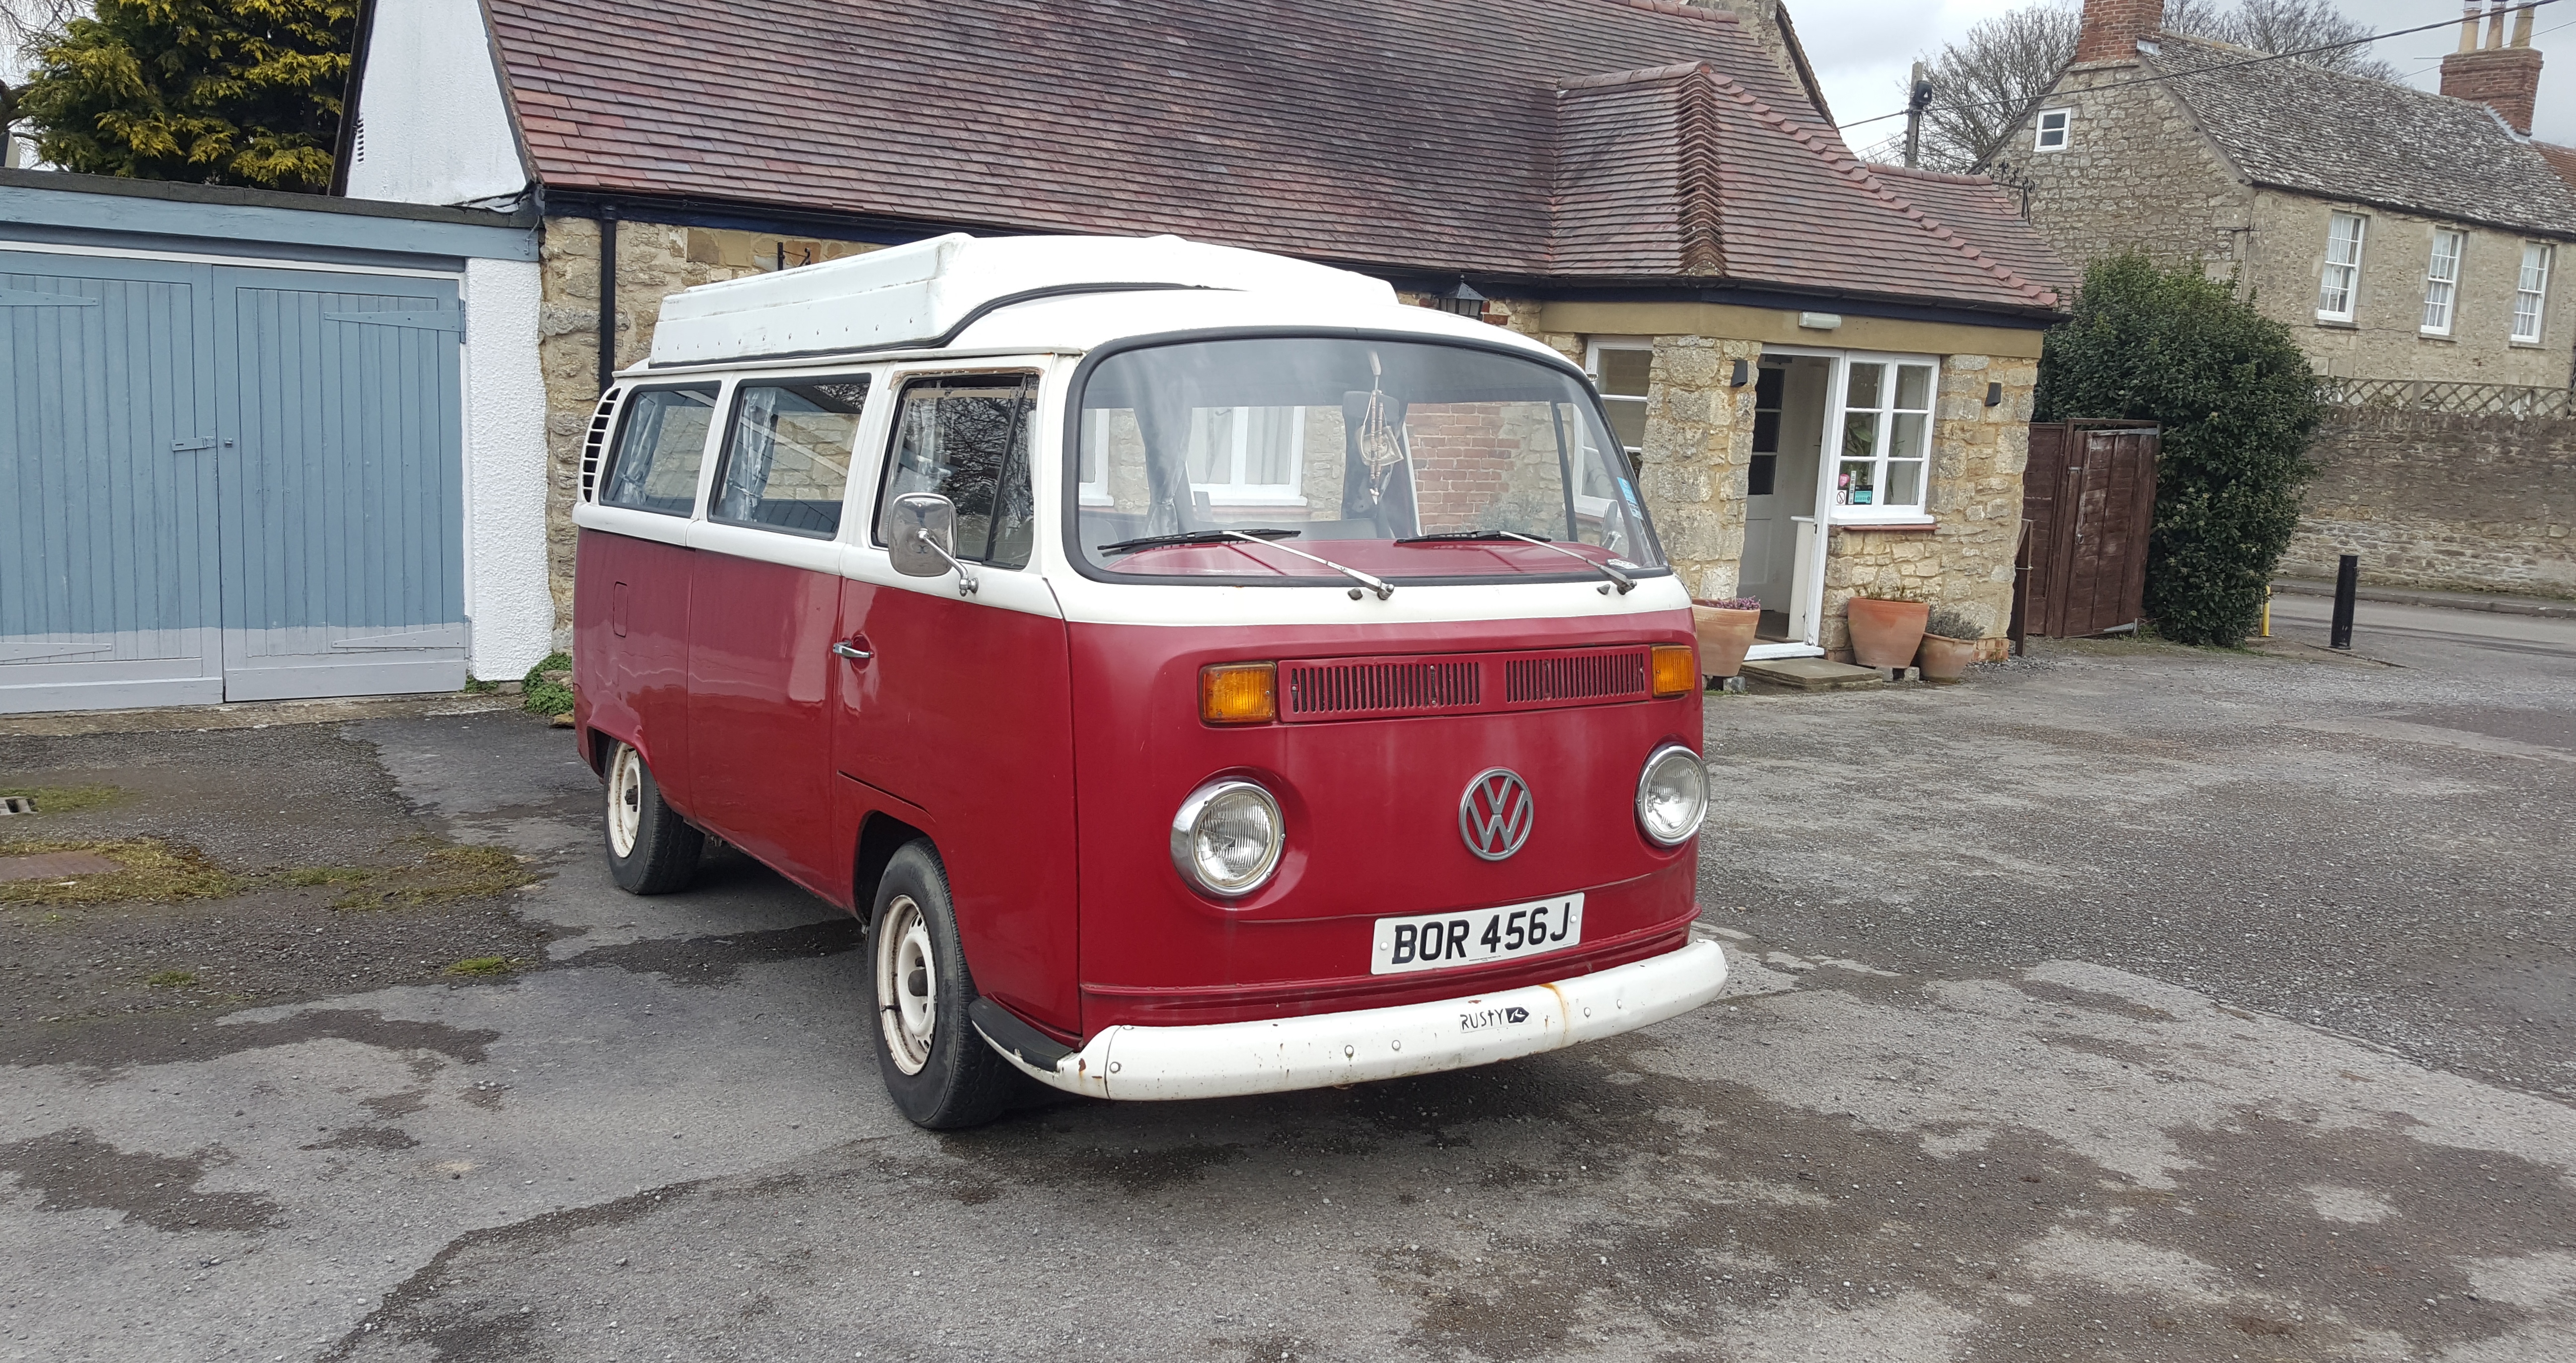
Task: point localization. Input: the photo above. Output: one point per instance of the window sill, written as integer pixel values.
(1915, 523)
(2338, 324)
(2444, 337)
(2524, 345)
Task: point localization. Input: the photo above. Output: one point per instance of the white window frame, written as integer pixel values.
(1837, 413)
(2343, 276)
(2065, 129)
(2531, 292)
(2441, 286)
(1236, 492)
(1635, 454)
(1095, 493)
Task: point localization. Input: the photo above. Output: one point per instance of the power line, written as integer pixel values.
(2226, 66)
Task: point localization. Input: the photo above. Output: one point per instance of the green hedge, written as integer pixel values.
(2238, 404)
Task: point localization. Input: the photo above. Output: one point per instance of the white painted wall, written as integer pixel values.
(432, 126)
(509, 608)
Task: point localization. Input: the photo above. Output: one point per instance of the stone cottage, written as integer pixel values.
(1824, 369)
(2415, 244)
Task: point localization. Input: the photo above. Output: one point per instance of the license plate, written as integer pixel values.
(1442, 941)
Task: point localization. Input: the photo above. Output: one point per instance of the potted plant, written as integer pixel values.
(1885, 630)
(1726, 631)
(1949, 645)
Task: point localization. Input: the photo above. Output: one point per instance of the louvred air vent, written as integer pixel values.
(596, 443)
(1458, 683)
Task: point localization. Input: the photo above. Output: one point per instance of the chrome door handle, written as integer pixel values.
(852, 652)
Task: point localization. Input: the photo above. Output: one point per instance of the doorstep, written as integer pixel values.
(1814, 674)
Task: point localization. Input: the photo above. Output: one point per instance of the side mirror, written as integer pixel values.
(921, 538)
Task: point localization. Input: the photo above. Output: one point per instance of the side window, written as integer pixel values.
(967, 439)
(787, 456)
(658, 449)
(2052, 130)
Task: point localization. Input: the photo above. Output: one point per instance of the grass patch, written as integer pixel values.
(153, 870)
(171, 979)
(441, 874)
(542, 695)
(66, 799)
(484, 967)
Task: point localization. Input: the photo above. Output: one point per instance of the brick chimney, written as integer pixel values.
(2112, 29)
(2504, 77)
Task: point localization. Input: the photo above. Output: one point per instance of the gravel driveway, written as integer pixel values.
(2124, 1003)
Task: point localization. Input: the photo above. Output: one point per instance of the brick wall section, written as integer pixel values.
(654, 260)
(2505, 79)
(1966, 565)
(2427, 500)
(2112, 28)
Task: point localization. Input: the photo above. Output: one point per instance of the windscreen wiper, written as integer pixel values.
(1626, 584)
(1259, 532)
(1256, 535)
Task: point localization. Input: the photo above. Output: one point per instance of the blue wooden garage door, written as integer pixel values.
(226, 484)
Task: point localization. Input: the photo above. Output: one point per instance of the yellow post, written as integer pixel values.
(2267, 610)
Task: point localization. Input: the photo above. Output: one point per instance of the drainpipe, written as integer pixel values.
(607, 295)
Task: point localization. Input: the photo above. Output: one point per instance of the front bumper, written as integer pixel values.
(1223, 1059)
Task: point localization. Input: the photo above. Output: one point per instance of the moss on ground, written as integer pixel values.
(66, 799)
(171, 979)
(452, 871)
(152, 869)
(546, 695)
(485, 967)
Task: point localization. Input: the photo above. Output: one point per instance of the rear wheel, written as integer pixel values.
(651, 849)
(939, 1071)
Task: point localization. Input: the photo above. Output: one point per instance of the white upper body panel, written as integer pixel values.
(952, 290)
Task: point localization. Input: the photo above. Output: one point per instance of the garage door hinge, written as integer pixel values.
(203, 442)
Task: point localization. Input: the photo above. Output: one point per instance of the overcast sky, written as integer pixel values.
(1862, 48)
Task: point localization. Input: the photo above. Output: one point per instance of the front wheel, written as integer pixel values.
(651, 849)
(939, 1071)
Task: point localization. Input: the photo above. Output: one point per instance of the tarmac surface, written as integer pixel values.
(2126, 1002)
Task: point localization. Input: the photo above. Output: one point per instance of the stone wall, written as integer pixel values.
(2428, 500)
(2135, 173)
(2285, 260)
(654, 260)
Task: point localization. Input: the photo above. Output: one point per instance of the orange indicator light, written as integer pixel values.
(1239, 693)
(1676, 670)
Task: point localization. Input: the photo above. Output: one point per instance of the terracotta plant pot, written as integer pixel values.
(1945, 659)
(1724, 637)
(1885, 633)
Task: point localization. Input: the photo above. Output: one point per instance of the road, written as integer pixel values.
(2128, 1002)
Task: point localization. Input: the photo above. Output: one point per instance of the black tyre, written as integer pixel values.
(651, 849)
(940, 1072)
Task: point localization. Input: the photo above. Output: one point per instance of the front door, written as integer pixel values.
(1780, 495)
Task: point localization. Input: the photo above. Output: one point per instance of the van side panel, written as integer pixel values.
(965, 711)
(760, 719)
(1371, 808)
(631, 651)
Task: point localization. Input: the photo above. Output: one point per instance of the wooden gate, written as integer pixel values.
(2089, 499)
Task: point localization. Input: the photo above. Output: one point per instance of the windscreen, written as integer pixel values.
(1403, 459)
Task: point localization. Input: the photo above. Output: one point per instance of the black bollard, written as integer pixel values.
(2347, 587)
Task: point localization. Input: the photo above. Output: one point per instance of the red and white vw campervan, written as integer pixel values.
(1205, 674)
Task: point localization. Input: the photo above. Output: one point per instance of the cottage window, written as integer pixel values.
(2442, 281)
(2053, 129)
(2530, 290)
(1247, 456)
(1886, 439)
(2342, 281)
(1621, 370)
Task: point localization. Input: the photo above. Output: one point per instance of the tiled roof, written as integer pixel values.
(2296, 126)
(1990, 215)
(2560, 159)
(1431, 136)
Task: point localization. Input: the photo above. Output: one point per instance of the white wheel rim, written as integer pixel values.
(907, 985)
(625, 800)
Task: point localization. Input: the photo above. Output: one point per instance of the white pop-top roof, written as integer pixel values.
(924, 292)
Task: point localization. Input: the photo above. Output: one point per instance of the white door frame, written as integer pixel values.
(1807, 571)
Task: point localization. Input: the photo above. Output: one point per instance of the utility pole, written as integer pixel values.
(1918, 98)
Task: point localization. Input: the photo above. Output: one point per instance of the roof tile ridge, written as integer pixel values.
(1680, 10)
(1700, 169)
(1642, 75)
(1843, 163)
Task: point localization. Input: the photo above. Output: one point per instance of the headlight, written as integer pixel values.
(1672, 794)
(1227, 837)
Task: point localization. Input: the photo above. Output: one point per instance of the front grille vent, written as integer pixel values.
(595, 444)
(1603, 675)
(1351, 690)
